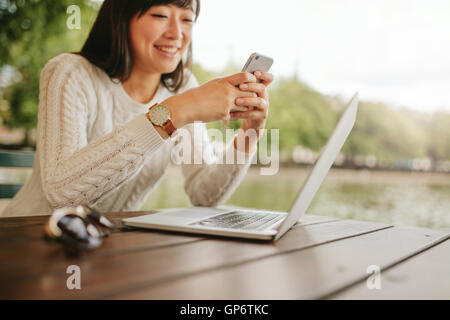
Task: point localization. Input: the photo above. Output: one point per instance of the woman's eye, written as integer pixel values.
(159, 16)
(188, 20)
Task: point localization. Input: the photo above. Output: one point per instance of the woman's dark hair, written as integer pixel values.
(108, 46)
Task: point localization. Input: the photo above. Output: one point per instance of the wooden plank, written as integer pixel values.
(424, 276)
(21, 222)
(31, 228)
(20, 256)
(22, 245)
(25, 254)
(298, 274)
(31, 258)
(110, 275)
(15, 235)
(21, 248)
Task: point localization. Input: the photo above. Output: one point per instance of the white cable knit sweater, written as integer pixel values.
(96, 146)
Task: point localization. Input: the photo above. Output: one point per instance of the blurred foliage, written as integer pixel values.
(306, 117)
(34, 31)
(303, 115)
(439, 147)
(387, 133)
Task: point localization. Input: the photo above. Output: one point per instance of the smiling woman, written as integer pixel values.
(141, 23)
(109, 115)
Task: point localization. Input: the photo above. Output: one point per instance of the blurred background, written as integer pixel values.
(395, 166)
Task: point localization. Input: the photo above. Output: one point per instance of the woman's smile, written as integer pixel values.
(168, 51)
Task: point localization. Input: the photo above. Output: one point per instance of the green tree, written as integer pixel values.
(32, 32)
(439, 128)
(386, 133)
(303, 116)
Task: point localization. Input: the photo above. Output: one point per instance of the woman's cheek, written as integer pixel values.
(187, 33)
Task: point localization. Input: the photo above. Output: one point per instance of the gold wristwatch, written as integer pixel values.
(160, 116)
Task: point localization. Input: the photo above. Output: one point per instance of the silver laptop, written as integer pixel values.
(253, 223)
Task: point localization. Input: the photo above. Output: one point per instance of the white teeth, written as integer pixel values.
(168, 49)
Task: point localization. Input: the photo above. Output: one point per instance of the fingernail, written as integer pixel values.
(257, 73)
(244, 86)
(239, 101)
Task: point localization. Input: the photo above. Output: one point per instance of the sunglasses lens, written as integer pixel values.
(76, 232)
(97, 217)
(101, 229)
(79, 227)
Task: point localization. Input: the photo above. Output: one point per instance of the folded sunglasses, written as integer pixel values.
(79, 227)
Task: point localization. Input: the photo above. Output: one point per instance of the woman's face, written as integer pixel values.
(160, 37)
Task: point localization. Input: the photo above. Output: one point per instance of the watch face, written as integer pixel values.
(159, 115)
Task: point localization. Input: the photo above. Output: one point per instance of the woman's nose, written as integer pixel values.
(174, 32)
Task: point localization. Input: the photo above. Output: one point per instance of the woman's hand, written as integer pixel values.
(258, 107)
(211, 101)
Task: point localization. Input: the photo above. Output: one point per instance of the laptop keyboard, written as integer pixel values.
(245, 220)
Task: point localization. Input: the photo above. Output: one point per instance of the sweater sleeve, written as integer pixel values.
(210, 176)
(74, 170)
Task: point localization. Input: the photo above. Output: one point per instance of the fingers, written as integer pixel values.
(250, 95)
(241, 77)
(241, 94)
(239, 108)
(254, 115)
(241, 114)
(255, 109)
(259, 103)
(258, 88)
(238, 93)
(265, 78)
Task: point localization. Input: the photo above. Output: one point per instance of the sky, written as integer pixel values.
(392, 51)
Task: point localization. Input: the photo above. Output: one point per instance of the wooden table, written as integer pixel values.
(319, 258)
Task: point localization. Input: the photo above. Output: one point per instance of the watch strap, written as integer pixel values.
(169, 127)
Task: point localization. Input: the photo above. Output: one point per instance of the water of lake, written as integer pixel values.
(399, 198)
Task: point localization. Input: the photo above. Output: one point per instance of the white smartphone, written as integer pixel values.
(256, 62)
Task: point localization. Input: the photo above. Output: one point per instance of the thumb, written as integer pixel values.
(241, 77)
